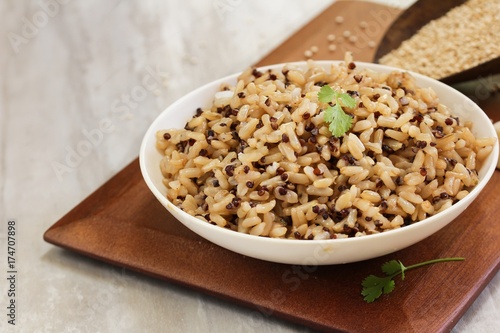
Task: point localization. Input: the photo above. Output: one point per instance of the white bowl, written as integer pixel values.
(312, 252)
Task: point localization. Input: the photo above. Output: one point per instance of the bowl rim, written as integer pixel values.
(461, 205)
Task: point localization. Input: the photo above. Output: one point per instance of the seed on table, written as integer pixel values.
(330, 37)
(339, 19)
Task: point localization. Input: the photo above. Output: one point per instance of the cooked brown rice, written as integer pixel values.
(261, 160)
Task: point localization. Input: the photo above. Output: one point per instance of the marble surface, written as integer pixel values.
(80, 81)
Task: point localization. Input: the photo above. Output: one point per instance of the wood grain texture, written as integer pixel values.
(123, 224)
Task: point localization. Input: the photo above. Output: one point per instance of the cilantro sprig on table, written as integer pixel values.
(339, 122)
(374, 286)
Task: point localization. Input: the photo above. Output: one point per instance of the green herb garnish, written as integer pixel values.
(339, 122)
(374, 286)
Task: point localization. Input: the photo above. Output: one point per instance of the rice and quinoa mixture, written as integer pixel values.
(466, 36)
(261, 159)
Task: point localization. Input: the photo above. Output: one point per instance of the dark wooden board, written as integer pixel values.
(122, 223)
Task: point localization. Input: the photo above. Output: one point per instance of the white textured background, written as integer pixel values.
(65, 73)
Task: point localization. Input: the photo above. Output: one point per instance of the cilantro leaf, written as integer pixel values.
(339, 121)
(389, 286)
(328, 114)
(392, 267)
(347, 100)
(326, 94)
(374, 286)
